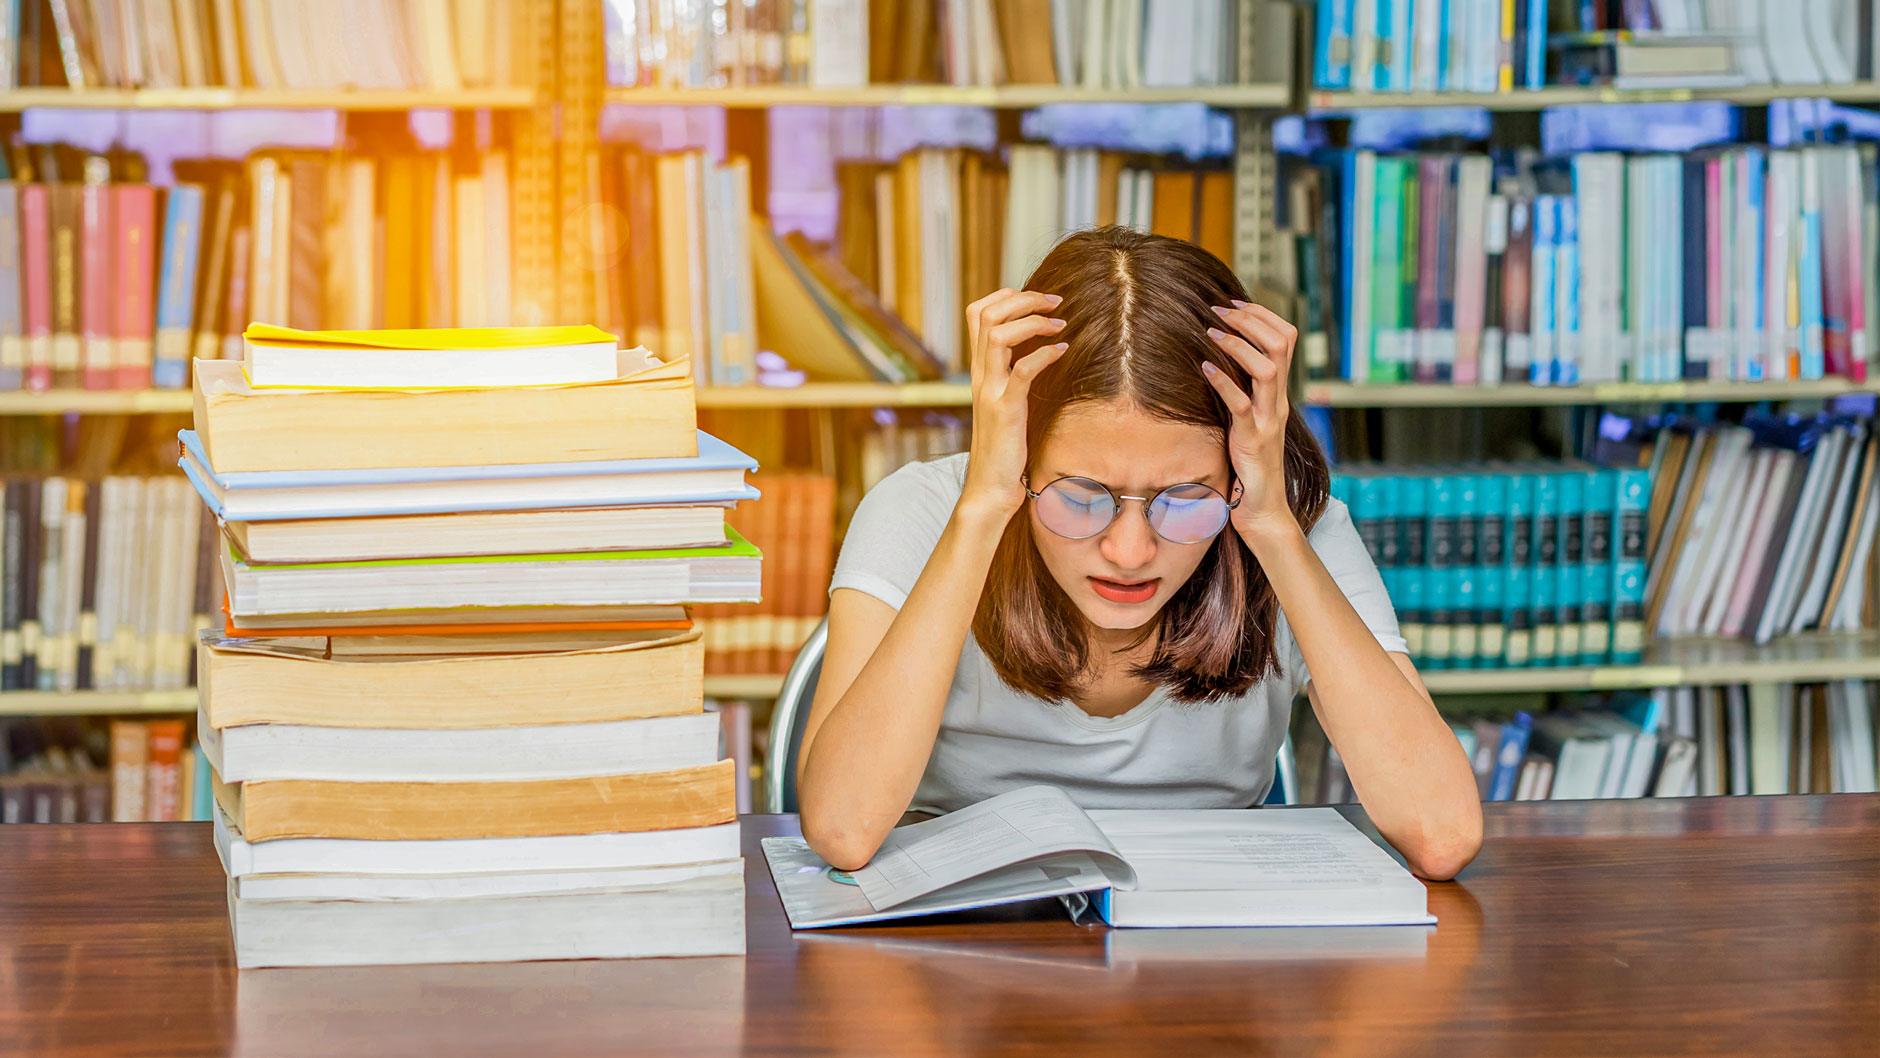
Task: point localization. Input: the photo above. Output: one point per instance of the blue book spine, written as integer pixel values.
(1398, 26)
(1569, 574)
(1331, 59)
(1813, 362)
(1541, 302)
(1750, 225)
(1633, 496)
(1602, 486)
(1535, 60)
(1566, 362)
(1508, 757)
(1445, 531)
(176, 286)
(1353, 352)
(1447, 37)
(1386, 44)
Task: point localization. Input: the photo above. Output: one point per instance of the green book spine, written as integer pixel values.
(1387, 269)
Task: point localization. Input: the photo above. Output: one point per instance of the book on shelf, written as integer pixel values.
(438, 45)
(1729, 263)
(110, 282)
(1484, 46)
(103, 581)
(63, 769)
(796, 523)
(1219, 867)
(1119, 44)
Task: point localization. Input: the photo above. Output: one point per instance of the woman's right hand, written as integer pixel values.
(995, 324)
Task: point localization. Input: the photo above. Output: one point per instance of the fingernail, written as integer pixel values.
(1059, 322)
(1216, 333)
(1209, 369)
(1219, 311)
(1061, 346)
(1241, 304)
(1054, 299)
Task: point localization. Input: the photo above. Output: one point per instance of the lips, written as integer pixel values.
(1125, 591)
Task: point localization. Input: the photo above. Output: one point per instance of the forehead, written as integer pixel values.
(1119, 444)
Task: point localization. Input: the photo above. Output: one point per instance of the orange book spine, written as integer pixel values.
(136, 295)
(163, 775)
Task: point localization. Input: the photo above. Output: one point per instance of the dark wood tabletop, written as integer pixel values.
(1726, 926)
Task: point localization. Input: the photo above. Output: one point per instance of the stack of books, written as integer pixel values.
(456, 711)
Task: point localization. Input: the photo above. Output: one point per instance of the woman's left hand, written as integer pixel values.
(1261, 343)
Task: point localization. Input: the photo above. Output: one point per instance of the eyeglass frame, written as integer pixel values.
(1117, 498)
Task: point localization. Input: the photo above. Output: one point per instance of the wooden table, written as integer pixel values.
(1730, 926)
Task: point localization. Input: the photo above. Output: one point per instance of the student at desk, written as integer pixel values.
(1138, 634)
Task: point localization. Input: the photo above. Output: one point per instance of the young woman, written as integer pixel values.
(1122, 587)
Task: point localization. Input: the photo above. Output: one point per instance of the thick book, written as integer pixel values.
(703, 916)
(645, 413)
(727, 573)
(482, 533)
(263, 752)
(715, 474)
(264, 682)
(461, 621)
(421, 811)
(427, 358)
(1222, 867)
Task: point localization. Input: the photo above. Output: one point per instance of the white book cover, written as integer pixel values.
(1822, 467)
(838, 42)
(1832, 534)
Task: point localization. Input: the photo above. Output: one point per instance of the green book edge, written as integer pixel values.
(739, 547)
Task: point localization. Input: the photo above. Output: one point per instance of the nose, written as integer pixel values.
(1129, 543)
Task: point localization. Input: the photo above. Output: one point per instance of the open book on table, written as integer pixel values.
(1219, 867)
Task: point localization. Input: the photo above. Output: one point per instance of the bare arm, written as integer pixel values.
(885, 676)
(1407, 767)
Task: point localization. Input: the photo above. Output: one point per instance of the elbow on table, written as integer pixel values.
(841, 844)
(1445, 851)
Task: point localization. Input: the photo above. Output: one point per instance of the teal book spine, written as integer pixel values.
(1367, 498)
(1602, 487)
(1489, 568)
(202, 792)
(1387, 271)
(1411, 509)
(1568, 573)
(176, 285)
(1518, 560)
(1443, 540)
(1633, 489)
(1547, 552)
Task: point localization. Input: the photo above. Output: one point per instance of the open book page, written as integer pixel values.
(1247, 850)
(1014, 827)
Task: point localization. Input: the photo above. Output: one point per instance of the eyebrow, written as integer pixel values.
(1199, 479)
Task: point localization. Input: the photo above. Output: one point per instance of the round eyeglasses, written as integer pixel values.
(1079, 508)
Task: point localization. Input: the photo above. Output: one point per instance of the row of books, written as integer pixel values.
(441, 45)
(457, 715)
(109, 282)
(80, 770)
(796, 522)
(1490, 46)
(837, 43)
(1763, 529)
(103, 583)
(1743, 263)
(1734, 739)
(1508, 566)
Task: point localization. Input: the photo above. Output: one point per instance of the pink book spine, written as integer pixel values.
(36, 266)
(137, 284)
(1756, 553)
(97, 311)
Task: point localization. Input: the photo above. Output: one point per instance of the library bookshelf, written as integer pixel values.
(831, 395)
(14, 100)
(1273, 96)
(1320, 102)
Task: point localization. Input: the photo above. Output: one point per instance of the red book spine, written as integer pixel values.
(136, 209)
(97, 309)
(36, 265)
(163, 795)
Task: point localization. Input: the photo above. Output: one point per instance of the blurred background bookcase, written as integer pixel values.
(783, 105)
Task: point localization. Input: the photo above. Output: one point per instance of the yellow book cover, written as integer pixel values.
(433, 338)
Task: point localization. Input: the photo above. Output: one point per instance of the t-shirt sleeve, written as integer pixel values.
(895, 529)
(1336, 540)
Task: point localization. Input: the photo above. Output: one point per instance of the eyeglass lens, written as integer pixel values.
(1079, 508)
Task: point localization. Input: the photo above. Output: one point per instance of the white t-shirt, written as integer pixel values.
(1160, 754)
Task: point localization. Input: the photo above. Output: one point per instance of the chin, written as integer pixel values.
(1118, 617)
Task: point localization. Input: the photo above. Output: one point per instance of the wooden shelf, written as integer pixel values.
(94, 703)
(1412, 395)
(17, 99)
(839, 395)
(95, 401)
(1811, 658)
(1254, 96)
(1321, 102)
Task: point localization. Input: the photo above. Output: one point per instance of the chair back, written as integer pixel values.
(791, 711)
(787, 718)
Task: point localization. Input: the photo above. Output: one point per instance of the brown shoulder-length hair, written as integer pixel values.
(1136, 310)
